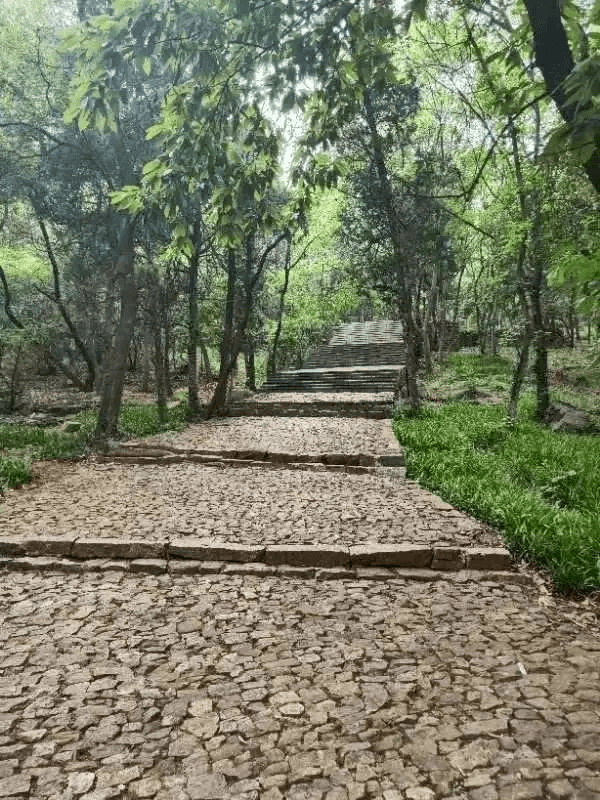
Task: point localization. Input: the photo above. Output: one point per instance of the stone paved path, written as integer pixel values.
(270, 686)
(253, 505)
(119, 686)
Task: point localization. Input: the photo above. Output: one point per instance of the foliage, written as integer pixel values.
(540, 488)
(22, 444)
(13, 472)
(23, 262)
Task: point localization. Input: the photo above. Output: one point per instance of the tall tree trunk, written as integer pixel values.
(272, 360)
(219, 399)
(159, 364)
(193, 337)
(147, 345)
(412, 361)
(518, 376)
(229, 321)
(554, 58)
(206, 365)
(249, 304)
(116, 363)
(166, 326)
(411, 331)
(250, 362)
(431, 303)
(218, 402)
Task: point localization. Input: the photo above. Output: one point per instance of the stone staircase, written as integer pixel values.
(360, 357)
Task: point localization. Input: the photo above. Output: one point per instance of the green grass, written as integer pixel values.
(540, 488)
(466, 371)
(22, 444)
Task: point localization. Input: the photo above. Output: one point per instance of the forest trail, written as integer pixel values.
(307, 624)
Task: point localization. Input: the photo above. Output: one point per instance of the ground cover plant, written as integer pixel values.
(540, 488)
(20, 445)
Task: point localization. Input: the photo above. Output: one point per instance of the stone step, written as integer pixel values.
(367, 409)
(80, 553)
(352, 463)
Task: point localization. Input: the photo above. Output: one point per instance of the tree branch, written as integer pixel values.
(7, 307)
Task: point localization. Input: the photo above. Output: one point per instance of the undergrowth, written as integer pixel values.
(540, 488)
(22, 444)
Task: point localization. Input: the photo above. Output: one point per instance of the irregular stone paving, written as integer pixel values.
(287, 435)
(322, 397)
(182, 688)
(250, 505)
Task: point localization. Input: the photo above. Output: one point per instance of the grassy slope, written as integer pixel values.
(21, 444)
(540, 488)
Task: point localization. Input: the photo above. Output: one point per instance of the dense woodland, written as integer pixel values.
(185, 184)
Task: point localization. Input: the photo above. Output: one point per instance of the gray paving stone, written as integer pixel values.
(10, 546)
(200, 551)
(307, 555)
(48, 547)
(400, 555)
(152, 566)
(447, 558)
(249, 569)
(488, 558)
(189, 567)
(85, 548)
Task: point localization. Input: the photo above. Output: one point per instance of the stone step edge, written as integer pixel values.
(299, 409)
(436, 557)
(149, 566)
(336, 462)
(231, 462)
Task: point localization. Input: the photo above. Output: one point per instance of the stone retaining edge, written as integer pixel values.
(331, 462)
(439, 558)
(258, 569)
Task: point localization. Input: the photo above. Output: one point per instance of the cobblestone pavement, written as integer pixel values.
(184, 688)
(241, 685)
(288, 434)
(250, 505)
(324, 397)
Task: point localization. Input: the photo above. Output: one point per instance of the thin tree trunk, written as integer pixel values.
(410, 327)
(193, 337)
(207, 366)
(431, 302)
(518, 376)
(56, 297)
(114, 380)
(166, 326)
(249, 360)
(146, 358)
(219, 399)
(159, 366)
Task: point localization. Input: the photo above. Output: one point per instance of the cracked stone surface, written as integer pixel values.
(176, 688)
(253, 505)
(288, 434)
(324, 397)
(250, 505)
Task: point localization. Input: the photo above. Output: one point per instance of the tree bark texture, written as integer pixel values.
(411, 331)
(554, 59)
(116, 363)
(193, 337)
(272, 362)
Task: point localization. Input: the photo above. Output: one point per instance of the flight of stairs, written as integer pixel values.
(360, 357)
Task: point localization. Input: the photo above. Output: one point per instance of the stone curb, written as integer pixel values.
(257, 569)
(369, 556)
(326, 462)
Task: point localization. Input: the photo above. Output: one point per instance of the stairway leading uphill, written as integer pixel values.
(359, 357)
